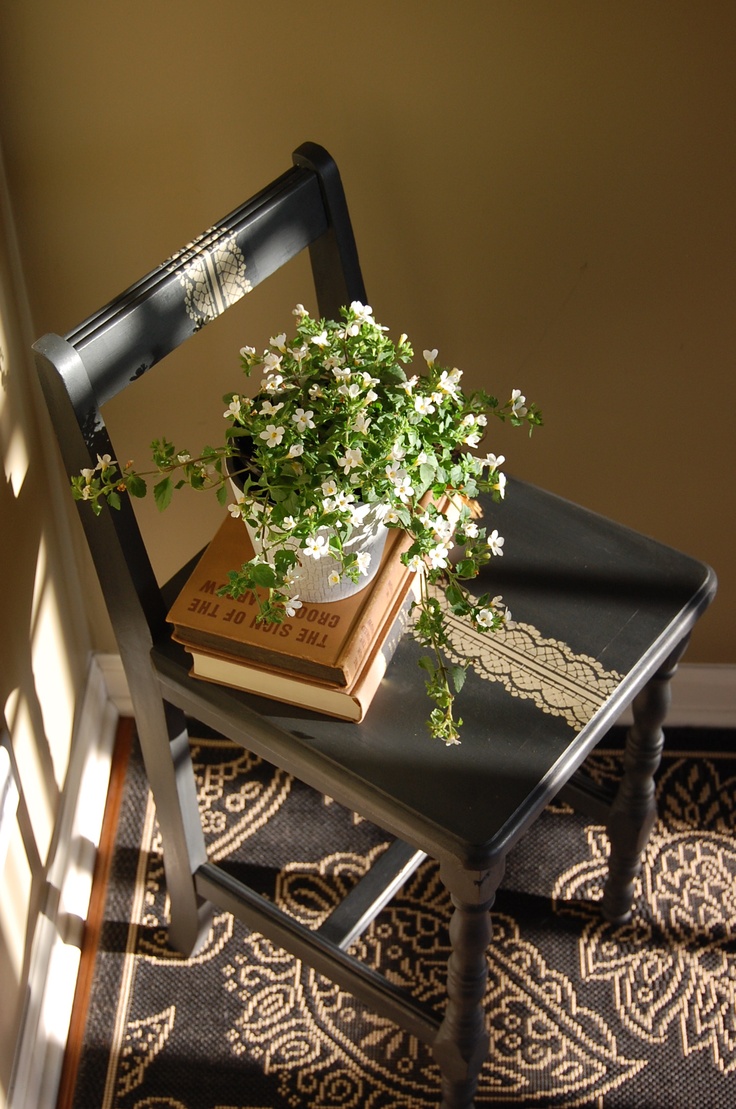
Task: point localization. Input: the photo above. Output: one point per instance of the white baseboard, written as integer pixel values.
(703, 695)
(56, 948)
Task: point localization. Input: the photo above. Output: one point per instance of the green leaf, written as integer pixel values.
(459, 674)
(163, 492)
(454, 595)
(426, 474)
(136, 486)
(263, 575)
(223, 495)
(113, 500)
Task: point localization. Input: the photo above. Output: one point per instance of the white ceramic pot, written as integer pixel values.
(368, 536)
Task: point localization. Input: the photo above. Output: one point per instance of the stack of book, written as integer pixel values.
(327, 657)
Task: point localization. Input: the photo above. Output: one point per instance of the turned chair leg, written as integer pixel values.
(164, 741)
(461, 1045)
(634, 809)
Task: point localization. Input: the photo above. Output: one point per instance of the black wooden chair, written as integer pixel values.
(602, 615)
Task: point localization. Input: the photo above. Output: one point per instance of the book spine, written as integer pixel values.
(343, 704)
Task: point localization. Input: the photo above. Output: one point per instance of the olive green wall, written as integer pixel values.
(542, 190)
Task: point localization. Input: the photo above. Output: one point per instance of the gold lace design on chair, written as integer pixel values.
(211, 270)
(546, 671)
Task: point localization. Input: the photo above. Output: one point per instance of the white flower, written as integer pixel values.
(500, 485)
(183, 456)
(424, 405)
(103, 461)
(449, 380)
(272, 435)
(370, 396)
(288, 523)
(274, 383)
(342, 373)
(473, 439)
(394, 470)
(443, 527)
(430, 356)
(343, 500)
(495, 543)
(397, 452)
(363, 312)
(416, 564)
(247, 353)
(334, 578)
(272, 361)
(321, 340)
(361, 423)
(408, 386)
(390, 516)
(471, 529)
(367, 380)
(518, 403)
(315, 547)
(234, 510)
(363, 561)
(485, 618)
(351, 391)
(422, 457)
(268, 409)
(352, 458)
(291, 605)
(493, 461)
(329, 487)
(279, 341)
(403, 488)
(303, 419)
(299, 311)
(438, 556)
(295, 450)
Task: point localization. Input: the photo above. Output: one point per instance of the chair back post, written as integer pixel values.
(304, 207)
(338, 279)
(129, 585)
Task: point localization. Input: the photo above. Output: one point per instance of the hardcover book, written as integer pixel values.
(345, 702)
(326, 642)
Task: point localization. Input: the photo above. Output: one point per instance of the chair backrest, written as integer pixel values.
(304, 208)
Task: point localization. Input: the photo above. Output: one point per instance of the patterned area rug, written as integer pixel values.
(581, 1013)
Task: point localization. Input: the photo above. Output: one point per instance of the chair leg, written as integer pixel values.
(164, 740)
(634, 809)
(461, 1045)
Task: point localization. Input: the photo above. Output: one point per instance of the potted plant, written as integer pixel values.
(338, 437)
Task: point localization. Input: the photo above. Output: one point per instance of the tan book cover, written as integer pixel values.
(328, 642)
(346, 703)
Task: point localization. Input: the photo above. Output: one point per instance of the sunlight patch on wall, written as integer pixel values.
(53, 678)
(26, 741)
(15, 878)
(12, 440)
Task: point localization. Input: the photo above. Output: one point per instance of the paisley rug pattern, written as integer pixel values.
(581, 1013)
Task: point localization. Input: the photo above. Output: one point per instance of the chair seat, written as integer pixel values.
(596, 609)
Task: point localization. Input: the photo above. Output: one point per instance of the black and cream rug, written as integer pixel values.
(581, 1013)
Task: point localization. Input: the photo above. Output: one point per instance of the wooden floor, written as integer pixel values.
(95, 915)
